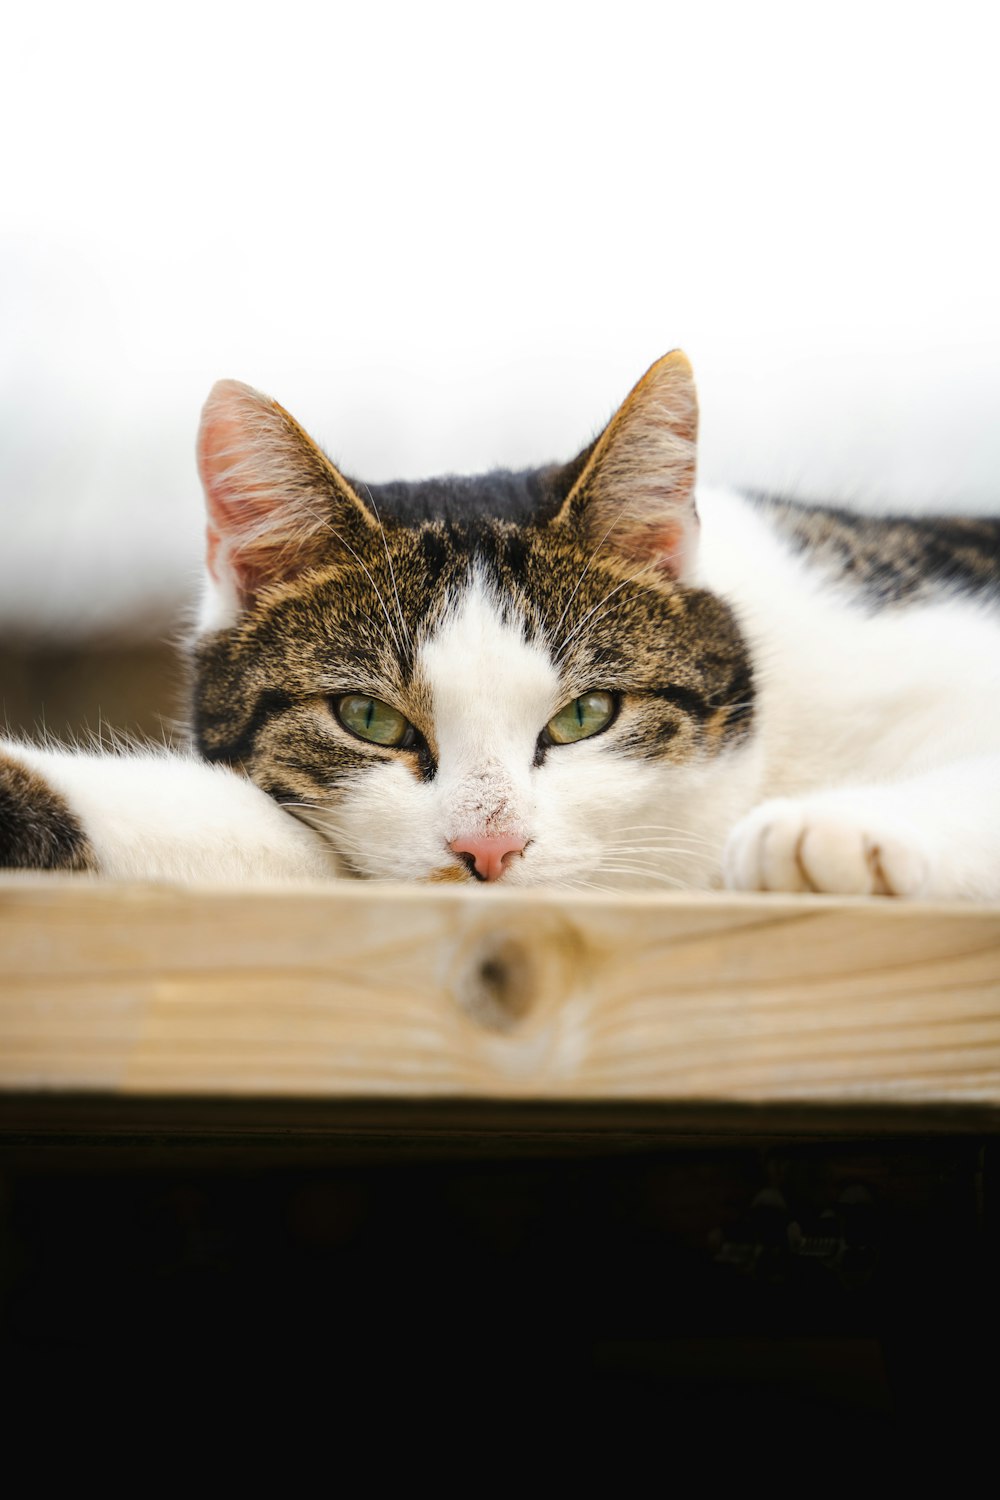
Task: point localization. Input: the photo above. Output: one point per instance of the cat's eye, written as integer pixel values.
(371, 719)
(585, 716)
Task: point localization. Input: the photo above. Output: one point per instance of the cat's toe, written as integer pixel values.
(836, 857)
(761, 852)
(899, 864)
(778, 852)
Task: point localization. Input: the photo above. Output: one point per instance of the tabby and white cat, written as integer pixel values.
(574, 675)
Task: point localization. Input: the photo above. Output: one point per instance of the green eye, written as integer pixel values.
(586, 715)
(371, 719)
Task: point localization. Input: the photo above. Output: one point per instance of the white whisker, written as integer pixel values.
(586, 566)
(671, 828)
(392, 572)
(361, 563)
(594, 608)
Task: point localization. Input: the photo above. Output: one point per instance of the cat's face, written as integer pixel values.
(538, 699)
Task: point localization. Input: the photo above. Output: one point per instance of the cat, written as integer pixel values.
(590, 675)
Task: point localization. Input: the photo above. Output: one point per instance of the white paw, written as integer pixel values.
(824, 844)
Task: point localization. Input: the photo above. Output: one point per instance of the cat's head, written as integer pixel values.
(512, 675)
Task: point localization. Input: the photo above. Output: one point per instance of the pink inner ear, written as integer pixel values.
(245, 447)
(676, 545)
(212, 540)
(668, 547)
(221, 445)
(230, 507)
(666, 544)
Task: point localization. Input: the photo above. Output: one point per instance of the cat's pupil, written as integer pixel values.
(581, 718)
(371, 719)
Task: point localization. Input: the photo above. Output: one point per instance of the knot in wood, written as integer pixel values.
(514, 970)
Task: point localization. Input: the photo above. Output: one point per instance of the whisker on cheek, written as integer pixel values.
(662, 828)
(643, 873)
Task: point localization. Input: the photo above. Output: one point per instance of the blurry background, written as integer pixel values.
(448, 237)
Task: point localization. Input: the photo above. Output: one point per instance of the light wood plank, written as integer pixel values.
(392, 991)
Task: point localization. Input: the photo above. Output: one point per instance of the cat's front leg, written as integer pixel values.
(148, 815)
(934, 836)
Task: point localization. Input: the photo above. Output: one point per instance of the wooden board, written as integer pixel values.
(385, 991)
(392, 991)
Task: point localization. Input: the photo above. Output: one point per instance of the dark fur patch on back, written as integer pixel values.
(37, 829)
(892, 559)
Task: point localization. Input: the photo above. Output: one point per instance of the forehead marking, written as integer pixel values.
(482, 675)
(492, 693)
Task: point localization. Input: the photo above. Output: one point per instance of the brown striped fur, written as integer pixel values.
(37, 829)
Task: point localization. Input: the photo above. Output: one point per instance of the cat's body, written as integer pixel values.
(561, 677)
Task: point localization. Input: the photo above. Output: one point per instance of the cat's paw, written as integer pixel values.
(825, 845)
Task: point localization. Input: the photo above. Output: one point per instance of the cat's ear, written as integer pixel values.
(634, 494)
(276, 504)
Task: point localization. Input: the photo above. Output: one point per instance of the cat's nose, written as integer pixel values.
(489, 856)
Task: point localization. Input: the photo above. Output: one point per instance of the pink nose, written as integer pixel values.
(490, 856)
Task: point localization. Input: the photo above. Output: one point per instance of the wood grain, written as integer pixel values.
(391, 991)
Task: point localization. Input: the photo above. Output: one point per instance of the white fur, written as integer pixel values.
(158, 816)
(879, 733)
(846, 693)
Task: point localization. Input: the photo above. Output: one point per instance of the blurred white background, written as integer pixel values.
(448, 237)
